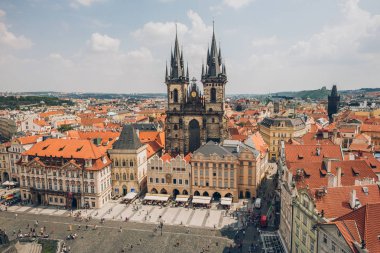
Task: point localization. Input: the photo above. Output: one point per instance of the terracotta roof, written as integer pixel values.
(40, 122)
(360, 147)
(315, 138)
(349, 231)
(107, 137)
(28, 139)
(152, 148)
(91, 121)
(166, 157)
(239, 137)
(336, 201)
(367, 221)
(188, 157)
(293, 153)
(148, 136)
(315, 174)
(51, 113)
(259, 142)
(84, 149)
(370, 128)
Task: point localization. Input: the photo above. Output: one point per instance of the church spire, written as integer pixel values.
(166, 72)
(214, 57)
(177, 70)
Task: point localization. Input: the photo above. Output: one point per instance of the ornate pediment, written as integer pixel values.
(71, 165)
(36, 162)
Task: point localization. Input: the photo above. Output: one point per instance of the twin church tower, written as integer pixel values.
(193, 118)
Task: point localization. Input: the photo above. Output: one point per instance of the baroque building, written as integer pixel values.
(194, 118)
(66, 173)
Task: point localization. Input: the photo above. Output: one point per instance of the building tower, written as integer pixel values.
(333, 103)
(177, 83)
(214, 79)
(192, 119)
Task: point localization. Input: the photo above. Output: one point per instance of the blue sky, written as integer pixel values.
(122, 45)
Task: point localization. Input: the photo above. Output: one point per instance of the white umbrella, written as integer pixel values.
(6, 183)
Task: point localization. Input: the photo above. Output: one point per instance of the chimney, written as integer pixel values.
(338, 176)
(331, 181)
(318, 151)
(335, 134)
(353, 199)
(328, 165)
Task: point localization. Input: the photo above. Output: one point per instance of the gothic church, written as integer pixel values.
(193, 118)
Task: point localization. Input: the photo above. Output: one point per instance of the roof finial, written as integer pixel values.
(213, 25)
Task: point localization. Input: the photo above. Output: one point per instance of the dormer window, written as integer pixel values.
(88, 163)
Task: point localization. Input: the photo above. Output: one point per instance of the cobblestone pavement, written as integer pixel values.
(115, 211)
(113, 236)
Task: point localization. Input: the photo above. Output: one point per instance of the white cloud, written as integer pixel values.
(237, 4)
(10, 39)
(340, 41)
(104, 43)
(141, 54)
(265, 42)
(86, 3)
(337, 53)
(2, 13)
(158, 33)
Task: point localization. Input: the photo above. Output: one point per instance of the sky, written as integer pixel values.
(122, 46)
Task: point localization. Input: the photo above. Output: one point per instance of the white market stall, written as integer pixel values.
(226, 201)
(182, 198)
(201, 200)
(156, 197)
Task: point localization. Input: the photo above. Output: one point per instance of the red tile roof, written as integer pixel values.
(107, 137)
(293, 153)
(51, 113)
(336, 201)
(314, 139)
(29, 139)
(84, 149)
(315, 174)
(370, 128)
(367, 221)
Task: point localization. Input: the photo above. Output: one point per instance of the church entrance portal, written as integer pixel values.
(194, 135)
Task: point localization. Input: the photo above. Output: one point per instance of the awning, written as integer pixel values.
(182, 198)
(201, 200)
(130, 195)
(226, 201)
(157, 197)
(7, 183)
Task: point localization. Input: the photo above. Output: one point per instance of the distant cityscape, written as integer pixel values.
(193, 169)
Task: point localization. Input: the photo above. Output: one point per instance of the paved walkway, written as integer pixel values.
(207, 218)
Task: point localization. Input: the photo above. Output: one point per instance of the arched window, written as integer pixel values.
(131, 163)
(117, 176)
(124, 164)
(175, 127)
(213, 95)
(124, 177)
(131, 176)
(175, 96)
(116, 162)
